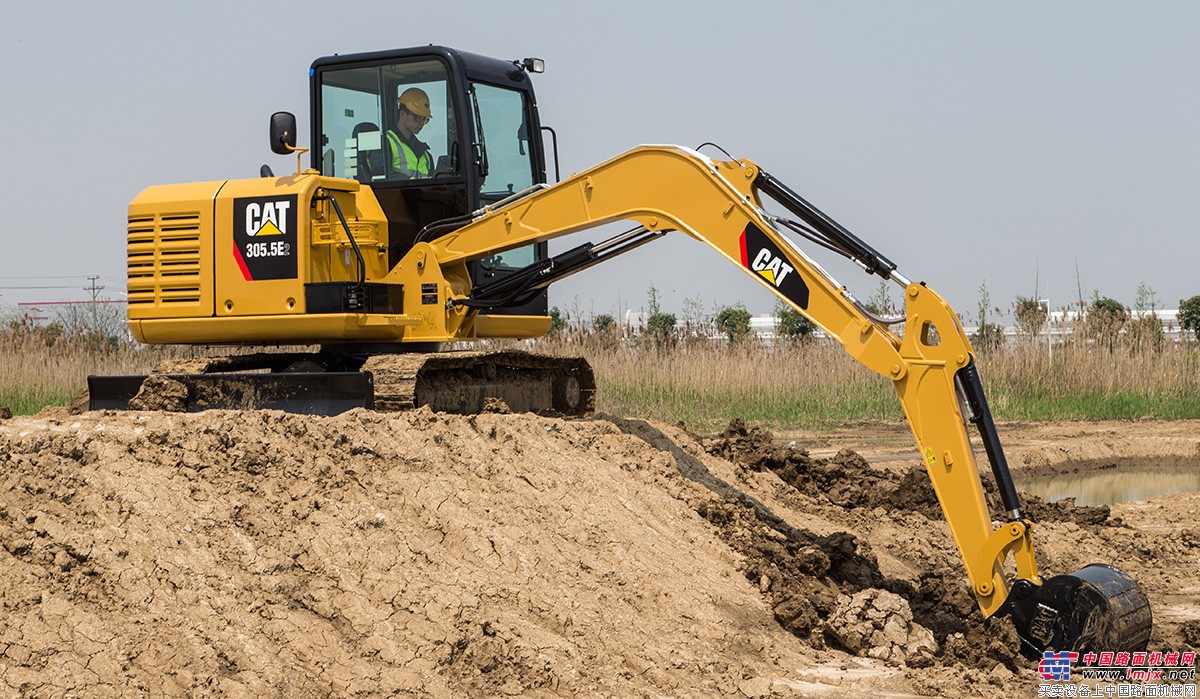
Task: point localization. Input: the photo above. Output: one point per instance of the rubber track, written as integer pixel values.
(450, 381)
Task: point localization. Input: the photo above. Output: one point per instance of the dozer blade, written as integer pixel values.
(1097, 608)
(328, 393)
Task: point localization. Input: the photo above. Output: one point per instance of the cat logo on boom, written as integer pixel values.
(771, 267)
(264, 237)
(763, 258)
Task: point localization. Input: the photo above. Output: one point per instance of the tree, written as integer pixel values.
(734, 321)
(791, 324)
(660, 326)
(1145, 327)
(1030, 315)
(880, 302)
(988, 334)
(1189, 315)
(556, 321)
(1104, 320)
(603, 322)
(693, 317)
(1147, 299)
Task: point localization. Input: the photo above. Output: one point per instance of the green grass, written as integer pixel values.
(712, 407)
(818, 385)
(1096, 406)
(29, 402)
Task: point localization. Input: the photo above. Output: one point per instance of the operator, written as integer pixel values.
(411, 158)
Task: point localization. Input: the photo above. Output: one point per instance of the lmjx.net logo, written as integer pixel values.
(1121, 674)
(1057, 665)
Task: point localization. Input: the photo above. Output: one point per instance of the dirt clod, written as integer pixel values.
(160, 393)
(879, 624)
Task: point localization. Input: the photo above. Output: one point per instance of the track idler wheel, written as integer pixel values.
(1097, 608)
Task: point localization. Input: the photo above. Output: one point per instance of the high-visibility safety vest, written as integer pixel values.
(406, 161)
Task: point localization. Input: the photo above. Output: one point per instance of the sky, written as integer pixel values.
(1006, 149)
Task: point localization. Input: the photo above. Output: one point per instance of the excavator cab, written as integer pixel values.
(471, 150)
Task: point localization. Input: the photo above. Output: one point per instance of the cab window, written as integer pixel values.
(363, 123)
(503, 134)
(502, 129)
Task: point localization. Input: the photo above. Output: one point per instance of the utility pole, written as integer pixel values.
(95, 294)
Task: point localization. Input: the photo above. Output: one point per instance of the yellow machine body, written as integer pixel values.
(244, 262)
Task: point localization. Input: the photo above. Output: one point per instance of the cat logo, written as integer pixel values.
(267, 218)
(772, 268)
(762, 258)
(264, 237)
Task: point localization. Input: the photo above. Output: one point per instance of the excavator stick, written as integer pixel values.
(1095, 608)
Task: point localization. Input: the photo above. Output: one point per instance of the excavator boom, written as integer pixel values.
(931, 364)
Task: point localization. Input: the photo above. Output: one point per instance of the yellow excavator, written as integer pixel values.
(424, 220)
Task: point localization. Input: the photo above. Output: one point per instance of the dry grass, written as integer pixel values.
(38, 370)
(817, 384)
(707, 383)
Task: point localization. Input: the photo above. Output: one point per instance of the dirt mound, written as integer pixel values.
(939, 603)
(420, 554)
(848, 480)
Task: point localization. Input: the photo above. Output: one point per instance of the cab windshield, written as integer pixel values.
(388, 123)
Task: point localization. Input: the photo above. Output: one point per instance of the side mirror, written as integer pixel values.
(283, 133)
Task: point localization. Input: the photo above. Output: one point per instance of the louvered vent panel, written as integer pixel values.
(163, 259)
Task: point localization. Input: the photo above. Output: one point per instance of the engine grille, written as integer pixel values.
(163, 260)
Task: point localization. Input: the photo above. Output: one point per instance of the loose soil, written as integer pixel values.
(428, 555)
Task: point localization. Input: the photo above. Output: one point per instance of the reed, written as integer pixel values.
(817, 384)
(40, 369)
(705, 383)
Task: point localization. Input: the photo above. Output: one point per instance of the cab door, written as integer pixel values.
(508, 163)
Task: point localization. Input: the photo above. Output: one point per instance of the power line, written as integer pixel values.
(69, 303)
(37, 287)
(44, 276)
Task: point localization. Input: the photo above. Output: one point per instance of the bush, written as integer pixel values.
(791, 324)
(660, 326)
(556, 321)
(734, 321)
(1030, 316)
(1145, 333)
(1105, 319)
(988, 336)
(1189, 316)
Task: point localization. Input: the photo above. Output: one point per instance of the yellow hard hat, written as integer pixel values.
(416, 101)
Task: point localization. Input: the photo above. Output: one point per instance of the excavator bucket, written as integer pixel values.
(1097, 608)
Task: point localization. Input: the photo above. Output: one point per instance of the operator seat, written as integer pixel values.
(370, 163)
